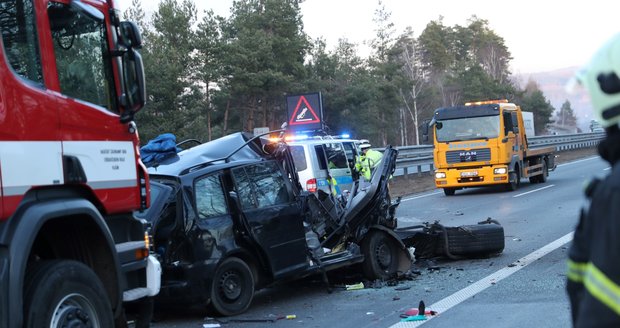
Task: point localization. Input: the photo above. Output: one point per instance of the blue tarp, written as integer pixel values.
(159, 149)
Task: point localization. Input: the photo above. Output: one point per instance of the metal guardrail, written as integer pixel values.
(419, 159)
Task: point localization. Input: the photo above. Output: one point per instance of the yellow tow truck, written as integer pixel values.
(484, 143)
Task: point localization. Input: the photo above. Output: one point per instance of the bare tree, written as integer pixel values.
(416, 79)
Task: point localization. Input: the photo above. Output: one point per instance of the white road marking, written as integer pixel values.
(580, 160)
(535, 190)
(466, 293)
(609, 168)
(422, 196)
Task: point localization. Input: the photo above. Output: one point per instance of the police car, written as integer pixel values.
(316, 157)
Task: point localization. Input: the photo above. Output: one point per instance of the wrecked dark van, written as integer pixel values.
(230, 217)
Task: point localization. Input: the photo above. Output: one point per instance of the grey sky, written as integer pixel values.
(542, 35)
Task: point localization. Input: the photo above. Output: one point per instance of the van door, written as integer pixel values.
(333, 159)
(273, 217)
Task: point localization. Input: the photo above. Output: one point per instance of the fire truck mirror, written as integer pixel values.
(87, 10)
(130, 35)
(134, 96)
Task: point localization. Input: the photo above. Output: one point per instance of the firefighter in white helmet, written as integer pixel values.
(369, 159)
(593, 279)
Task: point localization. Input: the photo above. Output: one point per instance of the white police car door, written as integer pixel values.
(332, 159)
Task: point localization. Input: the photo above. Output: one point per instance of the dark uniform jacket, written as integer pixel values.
(593, 279)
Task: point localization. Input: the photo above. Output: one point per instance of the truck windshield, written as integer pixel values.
(82, 56)
(469, 128)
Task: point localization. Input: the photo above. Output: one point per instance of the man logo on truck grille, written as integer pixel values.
(468, 156)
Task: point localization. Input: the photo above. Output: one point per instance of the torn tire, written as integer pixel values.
(471, 240)
(380, 256)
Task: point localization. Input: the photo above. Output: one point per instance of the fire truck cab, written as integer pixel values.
(71, 252)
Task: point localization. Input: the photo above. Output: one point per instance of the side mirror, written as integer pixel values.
(134, 96)
(130, 35)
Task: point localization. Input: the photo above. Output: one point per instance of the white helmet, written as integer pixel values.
(601, 78)
(364, 143)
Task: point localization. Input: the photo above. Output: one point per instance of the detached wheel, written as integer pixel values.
(62, 293)
(473, 240)
(233, 287)
(449, 191)
(380, 256)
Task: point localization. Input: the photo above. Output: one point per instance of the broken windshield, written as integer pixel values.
(469, 128)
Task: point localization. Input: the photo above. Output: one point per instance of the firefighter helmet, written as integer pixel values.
(601, 79)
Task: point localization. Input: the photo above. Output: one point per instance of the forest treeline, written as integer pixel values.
(208, 76)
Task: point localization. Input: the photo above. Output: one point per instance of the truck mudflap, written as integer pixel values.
(153, 282)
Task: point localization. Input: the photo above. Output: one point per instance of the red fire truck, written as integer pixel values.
(71, 253)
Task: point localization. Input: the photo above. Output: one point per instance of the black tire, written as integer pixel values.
(449, 191)
(514, 179)
(473, 240)
(380, 256)
(63, 293)
(232, 289)
(541, 178)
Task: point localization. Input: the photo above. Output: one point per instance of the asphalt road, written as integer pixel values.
(523, 286)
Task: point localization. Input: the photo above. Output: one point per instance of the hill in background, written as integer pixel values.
(553, 85)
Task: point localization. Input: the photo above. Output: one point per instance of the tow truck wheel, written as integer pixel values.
(514, 179)
(62, 293)
(233, 287)
(380, 256)
(543, 177)
(449, 191)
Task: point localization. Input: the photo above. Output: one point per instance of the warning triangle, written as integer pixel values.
(303, 113)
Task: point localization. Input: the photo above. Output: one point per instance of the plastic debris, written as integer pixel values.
(355, 286)
(287, 317)
(414, 318)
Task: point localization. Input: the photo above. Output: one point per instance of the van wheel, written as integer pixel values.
(380, 256)
(232, 289)
(62, 293)
(449, 191)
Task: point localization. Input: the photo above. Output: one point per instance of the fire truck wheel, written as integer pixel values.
(233, 287)
(63, 293)
(449, 191)
(380, 256)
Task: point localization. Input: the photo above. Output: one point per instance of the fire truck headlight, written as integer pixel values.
(440, 175)
(501, 170)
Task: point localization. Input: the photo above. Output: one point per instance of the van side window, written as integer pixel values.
(261, 185)
(299, 157)
(210, 199)
(19, 35)
(336, 157)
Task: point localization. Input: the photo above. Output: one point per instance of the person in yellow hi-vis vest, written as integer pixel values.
(368, 160)
(593, 278)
